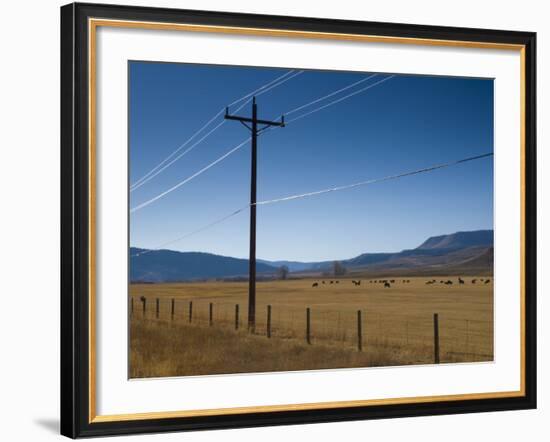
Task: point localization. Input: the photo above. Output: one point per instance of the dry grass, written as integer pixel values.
(161, 348)
(397, 326)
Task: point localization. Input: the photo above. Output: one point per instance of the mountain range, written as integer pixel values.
(456, 253)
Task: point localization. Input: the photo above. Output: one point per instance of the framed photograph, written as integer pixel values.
(275, 220)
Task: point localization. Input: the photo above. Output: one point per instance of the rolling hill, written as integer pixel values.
(456, 253)
(171, 266)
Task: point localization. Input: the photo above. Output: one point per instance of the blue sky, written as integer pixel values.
(405, 123)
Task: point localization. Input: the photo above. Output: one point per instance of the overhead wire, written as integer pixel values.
(186, 180)
(262, 89)
(320, 192)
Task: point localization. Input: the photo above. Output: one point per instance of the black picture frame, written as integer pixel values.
(75, 248)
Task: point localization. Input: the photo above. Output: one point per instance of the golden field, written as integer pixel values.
(397, 325)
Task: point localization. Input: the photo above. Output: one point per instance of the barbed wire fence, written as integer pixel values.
(429, 337)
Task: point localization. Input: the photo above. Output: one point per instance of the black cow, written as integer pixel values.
(387, 284)
(314, 284)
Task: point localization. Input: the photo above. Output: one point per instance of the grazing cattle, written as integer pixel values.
(429, 282)
(442, 282)
(460, 280)
(487, 281)
(323, 282)
(392, 281)
(337, 282)
(474, 281)
(142, 298)
(332, 282)
(314, 284)
(387, 284)
(449, 282)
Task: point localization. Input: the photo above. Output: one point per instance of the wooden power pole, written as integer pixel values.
(252, 125)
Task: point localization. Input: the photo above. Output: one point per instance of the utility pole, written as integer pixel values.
(254, 130)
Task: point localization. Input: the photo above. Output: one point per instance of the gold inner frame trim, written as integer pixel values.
(93, 24)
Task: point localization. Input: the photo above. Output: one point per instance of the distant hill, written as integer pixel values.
(456, 253)
(171, 266)
(437, 253)
(459, 240)
(293, 266)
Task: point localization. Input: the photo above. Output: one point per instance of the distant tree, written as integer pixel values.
(282, 272)
(338, 269)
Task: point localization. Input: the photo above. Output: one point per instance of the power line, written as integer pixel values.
(262, 89)
(153, 175)
(185, 151)
(194, 232)
(373, 181)
(181, 146)
(320, 192)
(275, 85)
(345, 97)
(349, 86)
(186, 180)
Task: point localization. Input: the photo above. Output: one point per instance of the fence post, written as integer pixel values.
(467, 336)
(359, 332)
(236, 316)
(210, 314)
(308, 325)
(269, 321)
(158, 307)
(173, 309)
(132, 306)
(436, 338)
(190, 311)
(144, 305)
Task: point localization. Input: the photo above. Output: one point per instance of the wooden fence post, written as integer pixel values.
(236, 316)
(158, 307)
(173, 309)
(210, 314)
(436, 338)
(359, 332)
(190, 311)
(308, 325)
(132, 306)
(269, 321)
(467, 336)
(144, 301)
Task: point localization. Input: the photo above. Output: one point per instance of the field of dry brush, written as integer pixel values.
(396, 325)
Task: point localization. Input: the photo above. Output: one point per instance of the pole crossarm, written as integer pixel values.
(245, 120)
